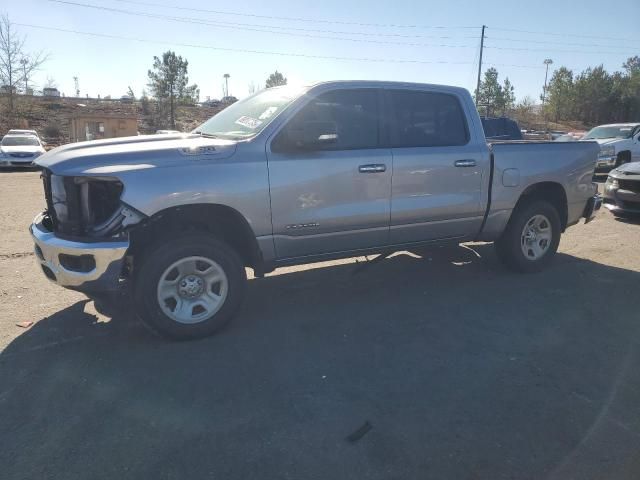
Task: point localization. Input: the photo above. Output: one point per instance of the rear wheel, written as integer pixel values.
(531, 238)
(189, 287)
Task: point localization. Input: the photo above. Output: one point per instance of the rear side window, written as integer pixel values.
(352, 115)
(427, 119)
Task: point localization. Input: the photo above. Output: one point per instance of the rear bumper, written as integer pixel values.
(593, 205)
(83, 266)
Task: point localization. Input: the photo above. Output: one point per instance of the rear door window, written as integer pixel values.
(426, 119)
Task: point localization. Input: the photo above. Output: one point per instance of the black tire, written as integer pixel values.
(508, 246)
(160, 257)
(622, 158)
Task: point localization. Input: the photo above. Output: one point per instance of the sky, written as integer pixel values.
(425, 41)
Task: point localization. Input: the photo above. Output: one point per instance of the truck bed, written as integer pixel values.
(519, 164)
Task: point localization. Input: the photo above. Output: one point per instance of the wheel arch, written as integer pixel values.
(222, 221)
(624, 155)
(552, 192)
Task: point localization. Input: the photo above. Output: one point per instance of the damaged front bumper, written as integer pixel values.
(87, 266)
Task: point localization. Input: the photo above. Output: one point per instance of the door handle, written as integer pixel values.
(465, 163)
(372, 168)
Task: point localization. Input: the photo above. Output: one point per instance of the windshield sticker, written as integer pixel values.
(268, 113)
(249, 122)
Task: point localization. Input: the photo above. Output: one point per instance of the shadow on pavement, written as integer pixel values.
(630, 218)
(462, 369)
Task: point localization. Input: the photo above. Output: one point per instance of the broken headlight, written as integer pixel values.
(87, 206)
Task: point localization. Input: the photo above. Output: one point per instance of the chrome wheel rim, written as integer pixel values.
(536, 237)
(192, 289)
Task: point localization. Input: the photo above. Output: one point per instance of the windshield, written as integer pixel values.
(248, 117)
(19, 141)
(609, 132)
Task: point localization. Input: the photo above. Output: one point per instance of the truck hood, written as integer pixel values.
(103, 157)
(627, 170)
(604, 141)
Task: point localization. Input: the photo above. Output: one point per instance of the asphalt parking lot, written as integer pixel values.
(462, 370)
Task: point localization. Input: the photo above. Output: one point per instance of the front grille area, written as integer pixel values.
(629, 205)
(631, 185)
(76, 204)
(21, 155)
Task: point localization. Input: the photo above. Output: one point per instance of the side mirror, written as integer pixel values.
(313, 134)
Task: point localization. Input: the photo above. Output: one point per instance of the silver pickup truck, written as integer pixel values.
(292, 176)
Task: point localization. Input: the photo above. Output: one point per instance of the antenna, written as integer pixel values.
(77, 85)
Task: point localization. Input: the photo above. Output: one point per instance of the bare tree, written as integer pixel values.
(253, 88)
(16, 65)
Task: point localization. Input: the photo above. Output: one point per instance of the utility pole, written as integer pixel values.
(547, 62)
(480, 65)
(226, 84)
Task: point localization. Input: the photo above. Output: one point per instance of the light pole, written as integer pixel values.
(547, 62)
(226, 84)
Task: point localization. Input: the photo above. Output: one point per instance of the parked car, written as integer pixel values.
(565, 138)
(297, 175)
(19, 150)
(619, 143)
(501, 128)
(126, 99)
(555, 134)
(622, 189)
(167, 132)
(536, 135)
(211, 103)
(14, 131)
(228, 100)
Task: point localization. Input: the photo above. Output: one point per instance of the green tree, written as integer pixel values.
(630, 89)
(525, 112)
(593, 88)
(594, 96)
(168, 81)
(276, 79)
(490, 94)
(508, 99)
(560, 91)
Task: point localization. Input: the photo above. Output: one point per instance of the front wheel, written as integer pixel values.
(531, 238)
(622, 158)
(189, 287)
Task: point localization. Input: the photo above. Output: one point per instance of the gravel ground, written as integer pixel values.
(462, 370)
